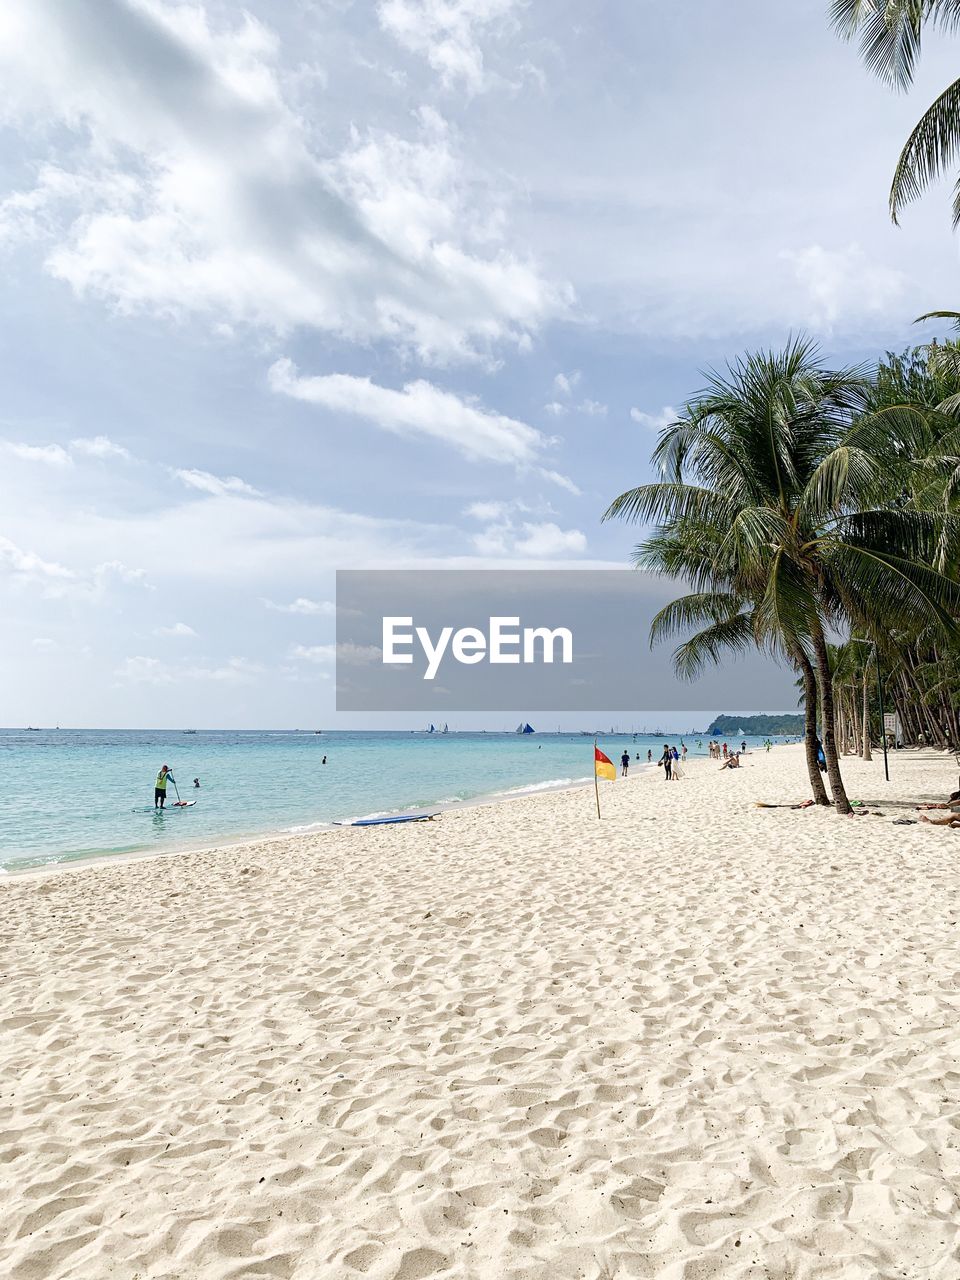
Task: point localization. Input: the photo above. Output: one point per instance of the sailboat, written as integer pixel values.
(524, 728)
(445, 729)
(432, 729)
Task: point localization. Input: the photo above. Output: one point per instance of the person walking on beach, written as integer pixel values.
(649, 756)
(666, 760)
(160, 786)
(683, 753)
(624, 764)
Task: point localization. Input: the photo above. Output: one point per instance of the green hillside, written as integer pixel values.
(756, 726)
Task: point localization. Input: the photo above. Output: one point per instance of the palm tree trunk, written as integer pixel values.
(867, 753)
(825, 680)
(810, 726)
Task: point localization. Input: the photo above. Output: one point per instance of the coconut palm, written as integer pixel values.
(730, 622)
(913, 421)
(890, 34)
(759, 472)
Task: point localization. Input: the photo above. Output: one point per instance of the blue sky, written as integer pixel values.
(360, 283)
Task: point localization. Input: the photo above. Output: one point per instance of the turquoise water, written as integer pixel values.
(82, 793)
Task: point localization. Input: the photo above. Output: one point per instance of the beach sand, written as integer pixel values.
(695, 1039)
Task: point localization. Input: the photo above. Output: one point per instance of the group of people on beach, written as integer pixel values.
(720, 751)
(669, 761)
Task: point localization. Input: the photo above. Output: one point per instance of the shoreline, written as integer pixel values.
(313, 831)
(481, 800)
(490, 800)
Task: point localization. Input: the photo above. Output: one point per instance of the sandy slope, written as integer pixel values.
(696, 1039)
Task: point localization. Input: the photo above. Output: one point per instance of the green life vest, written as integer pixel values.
(162, 780)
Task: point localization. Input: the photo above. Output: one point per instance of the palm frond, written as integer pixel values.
(928, 152)
(730, 635)
(698, 607)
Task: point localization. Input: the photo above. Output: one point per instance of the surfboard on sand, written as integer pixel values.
(384, 822)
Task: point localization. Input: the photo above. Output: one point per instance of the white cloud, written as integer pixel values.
(354, 655)
(188, 185)
(549, 540)
(564, 482)
(118, 570)
(655, 421)
(593, 408)
(843, 282)
(28, 567)
(420, 409)
(487, 510)
(43, 644)
(446, 33)
(206, 482)
(99, 447)
(318, 653)
(51, 455)
(55, 580)
(564, 383)
(146, 670)
(310, 608)
(179, 630)
(503, 536)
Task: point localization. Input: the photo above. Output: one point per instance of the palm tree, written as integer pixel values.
(764, 506)
(890, 36)
(730, 622)
(912, 421)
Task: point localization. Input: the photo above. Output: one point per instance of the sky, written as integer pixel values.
(310, 285)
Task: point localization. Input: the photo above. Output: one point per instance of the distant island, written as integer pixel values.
(757, 726)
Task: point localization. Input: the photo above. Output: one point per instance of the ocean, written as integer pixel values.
(72, 794)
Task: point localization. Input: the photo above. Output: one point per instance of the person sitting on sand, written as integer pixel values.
(732, 762)
(952, 803)
(948, 820)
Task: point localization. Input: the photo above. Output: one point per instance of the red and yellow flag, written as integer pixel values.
(603, 765)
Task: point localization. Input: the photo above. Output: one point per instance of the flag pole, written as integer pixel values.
(596, 784)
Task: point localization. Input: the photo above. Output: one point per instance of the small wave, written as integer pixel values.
(552, 784)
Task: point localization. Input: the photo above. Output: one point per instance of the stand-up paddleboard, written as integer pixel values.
(183, 804)
(385, 822)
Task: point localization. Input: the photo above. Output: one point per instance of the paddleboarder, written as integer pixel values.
(160, 787)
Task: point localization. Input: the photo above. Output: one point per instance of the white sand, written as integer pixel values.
(696, 1039)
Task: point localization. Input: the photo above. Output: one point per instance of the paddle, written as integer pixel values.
(177, 790)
